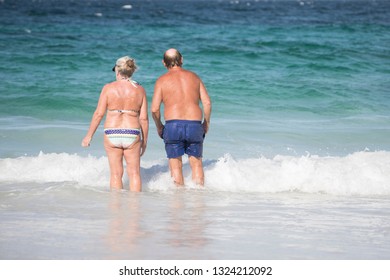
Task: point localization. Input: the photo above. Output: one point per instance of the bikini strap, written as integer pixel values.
(134, 83)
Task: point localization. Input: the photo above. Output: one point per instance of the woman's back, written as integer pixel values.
(124, 101)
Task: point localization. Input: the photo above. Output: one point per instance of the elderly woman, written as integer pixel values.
(126, 126)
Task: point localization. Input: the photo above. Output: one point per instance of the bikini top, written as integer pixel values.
(123, 111)
(135, 84)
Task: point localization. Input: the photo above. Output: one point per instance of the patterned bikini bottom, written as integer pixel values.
(122, 137)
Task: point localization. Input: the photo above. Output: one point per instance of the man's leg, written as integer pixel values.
(197, 170)
(176, 167)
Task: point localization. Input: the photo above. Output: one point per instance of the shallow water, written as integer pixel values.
(69, 222)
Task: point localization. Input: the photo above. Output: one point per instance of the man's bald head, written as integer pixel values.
(173, 57)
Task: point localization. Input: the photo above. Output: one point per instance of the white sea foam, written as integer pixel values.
(361, 173)
(127, 7)
(54, 167)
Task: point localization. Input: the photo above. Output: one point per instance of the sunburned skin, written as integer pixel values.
(181, 92)
(124, 104)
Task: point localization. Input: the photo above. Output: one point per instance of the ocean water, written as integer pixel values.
(297, 160)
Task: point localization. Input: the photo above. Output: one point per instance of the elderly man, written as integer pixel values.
(180, 91)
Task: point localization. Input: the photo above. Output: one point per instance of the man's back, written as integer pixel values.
(180, 91)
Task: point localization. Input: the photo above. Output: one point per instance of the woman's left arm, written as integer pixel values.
(144, 122)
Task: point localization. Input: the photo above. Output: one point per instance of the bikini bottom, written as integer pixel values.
(122, 137)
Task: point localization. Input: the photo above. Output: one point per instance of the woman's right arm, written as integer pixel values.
(100, 111)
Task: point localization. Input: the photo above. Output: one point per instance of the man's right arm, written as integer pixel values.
(155, 108)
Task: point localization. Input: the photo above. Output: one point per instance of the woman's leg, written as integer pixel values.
(115, 160)
(132, 157)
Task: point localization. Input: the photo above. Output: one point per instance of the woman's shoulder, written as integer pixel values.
(111, 84)
(138, 86)
(117, 85)
(136, 83)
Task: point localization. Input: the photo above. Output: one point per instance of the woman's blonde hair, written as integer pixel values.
(126, 66)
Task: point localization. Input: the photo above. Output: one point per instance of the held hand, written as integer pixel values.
(86, 141)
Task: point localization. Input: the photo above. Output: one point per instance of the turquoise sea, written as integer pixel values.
(297, 160)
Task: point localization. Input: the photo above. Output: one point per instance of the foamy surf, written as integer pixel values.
(360, 173)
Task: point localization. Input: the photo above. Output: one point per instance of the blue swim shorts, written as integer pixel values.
(182, 136)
